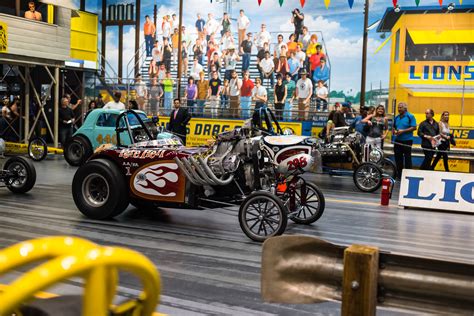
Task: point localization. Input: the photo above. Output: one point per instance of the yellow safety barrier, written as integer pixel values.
(70, 257)
(20, 148)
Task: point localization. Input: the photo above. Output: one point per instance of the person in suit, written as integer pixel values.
(179, 118)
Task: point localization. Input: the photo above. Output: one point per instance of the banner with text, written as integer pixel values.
(437, 190)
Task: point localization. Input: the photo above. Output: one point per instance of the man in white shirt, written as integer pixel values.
(156, 52)
(243, 24)
(115, 104)
(262, 37)
(212, 26)
(235, 84)
(321, 96)
(226, 41)
(303, 92)
(196, 69)
(268, 66)
(166, 30)
(300, 55)
(142, 91)
(174, 22)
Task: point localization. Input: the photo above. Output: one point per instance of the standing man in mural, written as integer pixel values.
(200, 24)
(297, 19)
(149, 30)
(243, 24)
(212, 26)
(168, 83)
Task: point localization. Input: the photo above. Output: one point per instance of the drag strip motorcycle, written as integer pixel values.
(246, 167)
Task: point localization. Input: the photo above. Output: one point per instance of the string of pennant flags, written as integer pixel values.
(351, 2)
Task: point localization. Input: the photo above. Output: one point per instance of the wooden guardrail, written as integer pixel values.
(305, 269)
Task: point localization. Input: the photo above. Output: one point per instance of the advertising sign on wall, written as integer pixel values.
(200, 130)
(437, 190)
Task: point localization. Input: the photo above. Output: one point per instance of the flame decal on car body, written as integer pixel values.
(157, 180)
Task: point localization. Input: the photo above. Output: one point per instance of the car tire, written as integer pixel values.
(77, 150)
(315, 212)
(37, 149)
(99, 190)
(368, 177)
(389, 168)
(251, 216)
(27, 172)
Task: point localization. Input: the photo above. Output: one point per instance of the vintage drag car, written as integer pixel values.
(98, 129)
(241, 167)
(18, 174)
(345, 152)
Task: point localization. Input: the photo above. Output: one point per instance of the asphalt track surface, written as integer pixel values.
(207, 265)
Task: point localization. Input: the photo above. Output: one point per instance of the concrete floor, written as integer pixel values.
(208, 266)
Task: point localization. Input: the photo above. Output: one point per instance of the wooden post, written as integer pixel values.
(359, 283)
(180, 61)
(364, 53)
(27, 104)
(137, 38)
(104, 34)
(56, 108)
(120, 53)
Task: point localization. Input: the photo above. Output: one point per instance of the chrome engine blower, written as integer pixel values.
(234, 152)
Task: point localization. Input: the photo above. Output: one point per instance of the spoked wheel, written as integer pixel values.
(389, 168)
(262, 215)
(37, 149)
(368, 177)
(309, 203)
(24, 174)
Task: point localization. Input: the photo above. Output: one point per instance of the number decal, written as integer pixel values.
(297, 163)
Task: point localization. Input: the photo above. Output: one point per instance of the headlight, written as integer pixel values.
(375, 155)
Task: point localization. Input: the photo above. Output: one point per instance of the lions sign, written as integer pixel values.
(437, 190)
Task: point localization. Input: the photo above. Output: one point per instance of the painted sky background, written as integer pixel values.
(341, 26)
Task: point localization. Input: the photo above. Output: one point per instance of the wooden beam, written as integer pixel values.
(120, 53)
(137, 37)
(359, 283)
(104, 34)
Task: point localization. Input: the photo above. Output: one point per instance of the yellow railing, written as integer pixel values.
(68, 257)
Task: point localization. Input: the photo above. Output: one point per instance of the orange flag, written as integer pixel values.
(302, 3)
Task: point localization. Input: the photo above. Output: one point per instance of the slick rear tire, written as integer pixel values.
(26, 174)
(100, 190)
(77, 151)
(262, 215)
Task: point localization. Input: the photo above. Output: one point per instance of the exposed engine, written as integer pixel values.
(343, 146)
(250, 161)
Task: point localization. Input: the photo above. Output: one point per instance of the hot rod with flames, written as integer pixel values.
(247, 167)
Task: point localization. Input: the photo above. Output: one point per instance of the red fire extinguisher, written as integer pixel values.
(386, 191)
